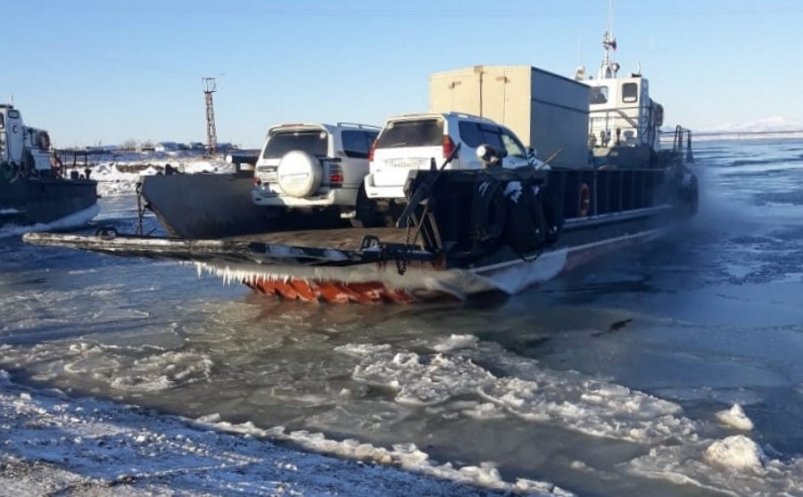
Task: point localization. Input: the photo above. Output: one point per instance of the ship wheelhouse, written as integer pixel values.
(624, 124)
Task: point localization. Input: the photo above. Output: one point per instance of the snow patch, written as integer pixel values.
(121, 177)
(765, 125)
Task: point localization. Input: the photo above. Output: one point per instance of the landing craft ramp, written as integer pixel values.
(335, 247)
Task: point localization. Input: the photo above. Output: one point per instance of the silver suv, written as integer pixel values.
(316, 166)
(412, 141)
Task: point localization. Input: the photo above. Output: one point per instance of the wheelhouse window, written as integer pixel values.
(357, 143)
(2, 121)
(630, 93)
(413, 133)
(599, 95)
(313, 141)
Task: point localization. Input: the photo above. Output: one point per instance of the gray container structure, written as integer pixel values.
(547, 111)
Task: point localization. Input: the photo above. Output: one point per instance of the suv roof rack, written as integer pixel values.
(471, 116)
(357, 125)
(446, 113)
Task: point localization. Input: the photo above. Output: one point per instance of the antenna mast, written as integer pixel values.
(610, 18)
(609, 68)
(210, 86)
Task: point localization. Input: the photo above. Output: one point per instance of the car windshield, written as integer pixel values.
(312, 141)
(409, 133)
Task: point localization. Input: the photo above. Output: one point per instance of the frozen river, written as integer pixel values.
(612, 380)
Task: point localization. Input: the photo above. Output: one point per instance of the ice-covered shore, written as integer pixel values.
(119, 177)
(51, 444)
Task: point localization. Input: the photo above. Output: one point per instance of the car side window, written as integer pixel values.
(492, 135)
(513, 146)
(357, 143)
(470, 133)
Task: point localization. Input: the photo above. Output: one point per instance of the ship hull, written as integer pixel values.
(32, 201)
(504, 273)
(429, 285)
(462, 243)
(333, 275)
(206, 206)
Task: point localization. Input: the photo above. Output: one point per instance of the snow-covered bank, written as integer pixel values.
(119, 177)
(741, 136)
(51, 444)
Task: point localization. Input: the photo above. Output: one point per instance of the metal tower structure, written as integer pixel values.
(210, 86)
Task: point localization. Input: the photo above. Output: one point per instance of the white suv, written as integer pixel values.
(316, 167)
(412, 141)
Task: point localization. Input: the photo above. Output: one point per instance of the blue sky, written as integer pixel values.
(107, 71)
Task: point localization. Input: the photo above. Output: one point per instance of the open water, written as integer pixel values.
(605, 381)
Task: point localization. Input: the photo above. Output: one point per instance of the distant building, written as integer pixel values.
(167, 147)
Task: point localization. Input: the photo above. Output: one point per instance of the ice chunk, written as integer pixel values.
(455, 342)
(737, 452)
(735, 418)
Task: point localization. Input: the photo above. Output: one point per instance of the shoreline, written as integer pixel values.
(56, 444)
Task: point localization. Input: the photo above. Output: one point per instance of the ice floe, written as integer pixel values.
(735, 466)
(567, 399)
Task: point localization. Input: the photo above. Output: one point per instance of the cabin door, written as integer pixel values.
(14, 134)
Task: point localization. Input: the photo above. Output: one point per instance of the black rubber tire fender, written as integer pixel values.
(488, 209)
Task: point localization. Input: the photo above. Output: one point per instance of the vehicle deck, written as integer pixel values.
(331, 246)
(337, 238)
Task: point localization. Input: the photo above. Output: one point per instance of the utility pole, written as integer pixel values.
(210, 86)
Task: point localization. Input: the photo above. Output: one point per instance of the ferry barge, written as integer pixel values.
(599, 181)
(441, 251)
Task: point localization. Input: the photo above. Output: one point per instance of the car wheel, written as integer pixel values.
(366, 214)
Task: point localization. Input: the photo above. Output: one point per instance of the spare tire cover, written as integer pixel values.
(299, 173)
